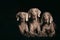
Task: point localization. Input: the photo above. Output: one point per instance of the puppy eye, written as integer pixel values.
(48, 15)
(36, 11)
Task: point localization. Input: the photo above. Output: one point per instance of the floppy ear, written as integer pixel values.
(17, 16)
(51, 19)
(29, 13)
(26, 17)
(18, 19)
(39, 12)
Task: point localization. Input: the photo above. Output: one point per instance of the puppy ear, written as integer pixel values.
(39, 12)
(29, 13)
(51, 19)
(17, 16)
(26, 17)
(18, 19)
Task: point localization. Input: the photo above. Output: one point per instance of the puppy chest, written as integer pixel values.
(23, 26)
(35, 25)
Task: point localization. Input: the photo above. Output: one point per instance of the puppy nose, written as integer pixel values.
(46, 18)
(23, 17)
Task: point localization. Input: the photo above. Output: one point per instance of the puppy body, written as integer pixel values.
(35, 26)
(48, 30)
(23, 28)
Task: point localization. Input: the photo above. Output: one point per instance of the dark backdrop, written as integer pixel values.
(9, 8)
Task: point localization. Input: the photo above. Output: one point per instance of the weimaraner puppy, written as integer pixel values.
(23, 26)
(34, 13)
(48, 29)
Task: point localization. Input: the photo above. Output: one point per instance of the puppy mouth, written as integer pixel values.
(45, 18)
(34, 18)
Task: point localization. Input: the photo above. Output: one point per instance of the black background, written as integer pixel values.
(9, 8)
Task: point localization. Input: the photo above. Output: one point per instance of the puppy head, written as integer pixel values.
(47, 17)
(23, 15)
(34, 12)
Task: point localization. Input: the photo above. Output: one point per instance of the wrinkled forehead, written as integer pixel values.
(47, 13)
(34, 10)
(23, 13)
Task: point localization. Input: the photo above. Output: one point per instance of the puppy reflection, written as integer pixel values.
(34, 13)
(23, 26)
(48, 25)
